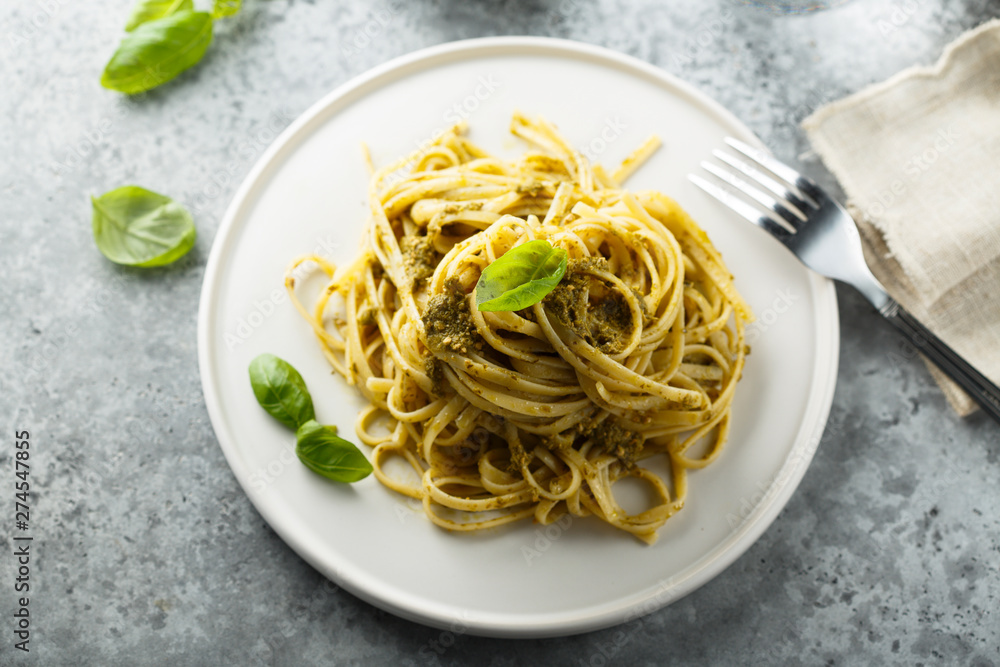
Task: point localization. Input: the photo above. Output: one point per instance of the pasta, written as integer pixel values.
(634, 357)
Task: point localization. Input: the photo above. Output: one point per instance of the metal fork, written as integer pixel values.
(823, 236)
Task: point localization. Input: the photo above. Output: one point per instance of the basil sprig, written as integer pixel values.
(137, 227)
(150, 10)
(157, 51)
(521, 277)
(323, 452)
(223, 8)
(164, 38)
(281, 391)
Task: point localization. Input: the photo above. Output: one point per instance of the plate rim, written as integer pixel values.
(429, 612)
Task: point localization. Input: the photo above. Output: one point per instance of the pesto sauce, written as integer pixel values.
(615, 439)
(604, 324)
(419, 258)
(518, 458)
(448, 322)
(434, 368)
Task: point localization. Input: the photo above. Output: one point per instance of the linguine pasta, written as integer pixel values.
(632, 358)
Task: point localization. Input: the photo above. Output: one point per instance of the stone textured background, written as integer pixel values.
(149, 552)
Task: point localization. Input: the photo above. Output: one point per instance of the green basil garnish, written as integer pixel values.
(223, 8)
(521, 277)
(150, 10)
(323, 452)
(281, 391)
(137, 227)
(157, 51)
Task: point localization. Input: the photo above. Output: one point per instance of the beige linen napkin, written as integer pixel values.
(919, 158)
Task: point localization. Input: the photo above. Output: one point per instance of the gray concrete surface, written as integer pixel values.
(148, 552)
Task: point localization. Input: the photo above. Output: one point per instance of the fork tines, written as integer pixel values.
(794, 195)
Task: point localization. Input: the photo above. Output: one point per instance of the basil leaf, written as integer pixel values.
(150, 10)
(281, 390)
(319, 448)
(157, 51)
(223, 8)
(521, 277)
(137, 227)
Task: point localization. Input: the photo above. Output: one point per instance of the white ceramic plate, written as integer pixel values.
(308, 193)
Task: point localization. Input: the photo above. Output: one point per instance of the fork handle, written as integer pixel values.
(975, 384)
